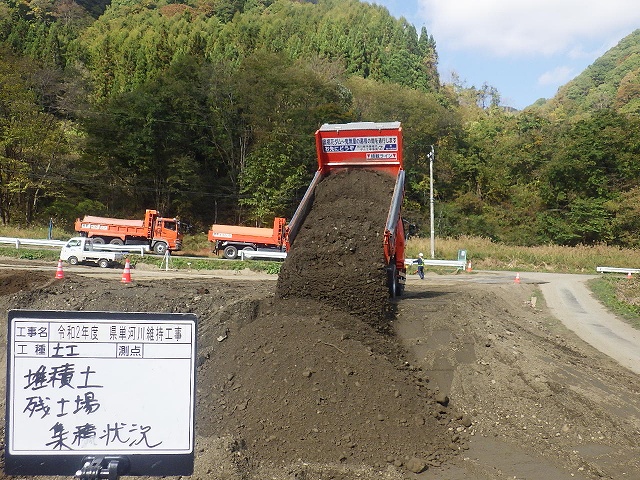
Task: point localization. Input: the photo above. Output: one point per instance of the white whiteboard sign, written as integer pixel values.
(83, 383)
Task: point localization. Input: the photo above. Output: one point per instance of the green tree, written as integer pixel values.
(33, 146)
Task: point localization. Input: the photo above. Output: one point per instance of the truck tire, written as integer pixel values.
(98, 241)
(392, 281)
(116, 241)
(399, 288)
(160, 248)
(72, 260)
(103, 263)
(230, 252)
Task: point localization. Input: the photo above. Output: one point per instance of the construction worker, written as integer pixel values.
(420, 262)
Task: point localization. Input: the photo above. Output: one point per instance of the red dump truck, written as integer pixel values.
(373, 146)
(160, 234)
(229, 239)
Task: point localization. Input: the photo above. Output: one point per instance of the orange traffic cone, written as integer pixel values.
(126, 274)
(517, 280)
(59, 272)
(629, 275)
(469, 266)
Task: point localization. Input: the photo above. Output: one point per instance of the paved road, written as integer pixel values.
(570, 301)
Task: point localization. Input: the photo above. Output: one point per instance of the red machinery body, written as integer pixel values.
(231, 238)
(158, 232)
(373, 146)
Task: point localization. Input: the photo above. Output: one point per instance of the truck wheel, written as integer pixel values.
(98, 241)
(116, 241)
(160, 248)
(399, 288)
(230, 252)
(103, 262)
(392, 282)
(72, 260)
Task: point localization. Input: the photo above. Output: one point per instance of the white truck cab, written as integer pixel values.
(80, 249)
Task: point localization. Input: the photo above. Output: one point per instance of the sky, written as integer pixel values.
(526, 49)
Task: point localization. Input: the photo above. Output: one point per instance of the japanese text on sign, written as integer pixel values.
(360, 144)
(101, 385)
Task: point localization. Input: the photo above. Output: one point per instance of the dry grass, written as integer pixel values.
(34, 232)
(487, 255)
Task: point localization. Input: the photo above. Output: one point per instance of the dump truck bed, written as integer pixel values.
(112, 221)
(368, 145)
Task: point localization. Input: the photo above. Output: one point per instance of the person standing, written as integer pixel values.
(420, 263)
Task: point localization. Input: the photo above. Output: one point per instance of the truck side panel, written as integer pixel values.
(90, 219)
(301, 212)
(261, 236)
(394, 239)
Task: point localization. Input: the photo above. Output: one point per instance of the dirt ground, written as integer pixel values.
(300, 390)
(463, 379)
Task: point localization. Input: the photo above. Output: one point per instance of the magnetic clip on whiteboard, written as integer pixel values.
(96, 468)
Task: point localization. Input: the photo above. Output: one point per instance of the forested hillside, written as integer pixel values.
(612, 81)
(206, 109)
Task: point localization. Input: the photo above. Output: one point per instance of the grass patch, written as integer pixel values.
(620, 295)
(35, 232)
(24, 253)
(487, 255)
(196, 245)
(207, 263)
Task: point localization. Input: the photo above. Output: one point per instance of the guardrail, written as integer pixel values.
(459, 264)
(617, 270)
(249, 254)
(35, 242)
(108, 247)
(18, 242)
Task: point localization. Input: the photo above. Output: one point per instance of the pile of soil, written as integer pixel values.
(308, 382)
(282, 383)
(337, 256)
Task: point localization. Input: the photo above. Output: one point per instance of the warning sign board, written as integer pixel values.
(373, 145)
(100, 383)
(360, 144)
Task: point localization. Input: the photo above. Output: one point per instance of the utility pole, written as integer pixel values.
(433, 248)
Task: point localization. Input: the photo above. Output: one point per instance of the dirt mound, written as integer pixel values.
(337, 256)
(282, 381)
(296, 385)
(12, 283)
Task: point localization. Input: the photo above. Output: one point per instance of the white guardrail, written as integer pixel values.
(460, 264)
(247, 254)
(35, 242)
(617, 270)
(18, 242)
(107, 247)
(250, 254)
